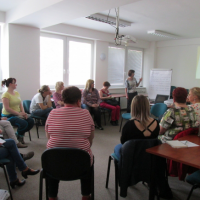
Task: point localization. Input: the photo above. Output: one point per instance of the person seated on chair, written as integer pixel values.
(9, 150)
(141, 125)
(178, 118)
(41, 104)
(91, 101)
(104, 95)
(57, 95)
(61, 127)
(194, 99)
(130, 88)
(14, 110)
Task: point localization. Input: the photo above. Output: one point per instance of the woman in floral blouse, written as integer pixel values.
(179, 118)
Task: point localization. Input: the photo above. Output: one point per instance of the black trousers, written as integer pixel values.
(53, 185)
(129, 100)
(94, 111)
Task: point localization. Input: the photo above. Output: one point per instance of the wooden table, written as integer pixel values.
(188, 156)
(124, 95)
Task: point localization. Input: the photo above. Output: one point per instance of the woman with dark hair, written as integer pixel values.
(8, 150)
(130, 88)
(104, 95)
(14, 110)
(91, 101)
(70, 126)
(178, 118)
(41, 103)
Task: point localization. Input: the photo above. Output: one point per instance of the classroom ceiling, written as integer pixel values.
(179, 17)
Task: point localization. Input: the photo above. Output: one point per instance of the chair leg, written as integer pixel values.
(104, 118)
(37, 130)
(116, 180)
(120, 125)
(193, 187)
(6, 175)
(41, 185)
(47, 187)
(29, 135)
(108, 171)
(92, 186)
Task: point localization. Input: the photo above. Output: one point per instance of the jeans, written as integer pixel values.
(129, 100)
(10, 151)
(85, 185)
(194, 178)
(95, 111)
(42, 113)
(115, 110)
(117, 150)
(24, 125)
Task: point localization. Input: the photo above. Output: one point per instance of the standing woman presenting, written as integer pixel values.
(14, 110)
(130, 88)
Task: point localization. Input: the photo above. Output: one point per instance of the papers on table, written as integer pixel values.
(181, 144)
(2, 141)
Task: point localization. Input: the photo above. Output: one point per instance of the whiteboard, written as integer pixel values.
(160, 82)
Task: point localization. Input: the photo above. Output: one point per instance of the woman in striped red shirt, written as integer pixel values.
(70, 126)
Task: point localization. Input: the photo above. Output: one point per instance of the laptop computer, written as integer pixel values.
(160, 98)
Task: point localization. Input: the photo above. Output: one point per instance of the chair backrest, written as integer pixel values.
(1, 107)
(135, 162)
(26, 105)
(158, 109)
(65, 163)
(160, 98)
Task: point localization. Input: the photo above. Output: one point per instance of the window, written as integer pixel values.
(51, 61)
(116, 62)
(70, 60)
(135, 62)
(79, 62)
(118, 66)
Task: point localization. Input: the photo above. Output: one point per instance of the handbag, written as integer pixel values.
(112, 102)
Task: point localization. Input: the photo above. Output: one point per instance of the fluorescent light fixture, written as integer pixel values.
(108, 20)
(162, 34)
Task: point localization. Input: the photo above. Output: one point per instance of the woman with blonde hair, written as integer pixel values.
(91, 101)
(57, 95)
(194, 98)
(141, 125)
(41, 103)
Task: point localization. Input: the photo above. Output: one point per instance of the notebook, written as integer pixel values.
(176, 144)
(181, 144)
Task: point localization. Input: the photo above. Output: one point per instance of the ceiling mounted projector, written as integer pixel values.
(128, 39)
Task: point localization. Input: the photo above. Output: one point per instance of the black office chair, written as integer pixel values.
(39, 121)
(65, 164)
(132, 150)
(4, 162)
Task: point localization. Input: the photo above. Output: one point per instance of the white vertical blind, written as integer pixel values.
(135, 62)
(116, 59)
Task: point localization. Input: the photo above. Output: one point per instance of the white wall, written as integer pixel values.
(24, 59)
(181, 57)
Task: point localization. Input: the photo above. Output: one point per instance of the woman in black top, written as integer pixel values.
(141, 125)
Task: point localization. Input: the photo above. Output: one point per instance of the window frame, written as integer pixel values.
(66, 39)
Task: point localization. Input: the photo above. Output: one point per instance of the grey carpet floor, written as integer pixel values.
(102, 147)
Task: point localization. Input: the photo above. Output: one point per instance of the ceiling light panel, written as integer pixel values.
(108, 20)
(162, 34)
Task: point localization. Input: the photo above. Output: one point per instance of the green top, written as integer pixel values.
(14, 102)
(177, 119)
